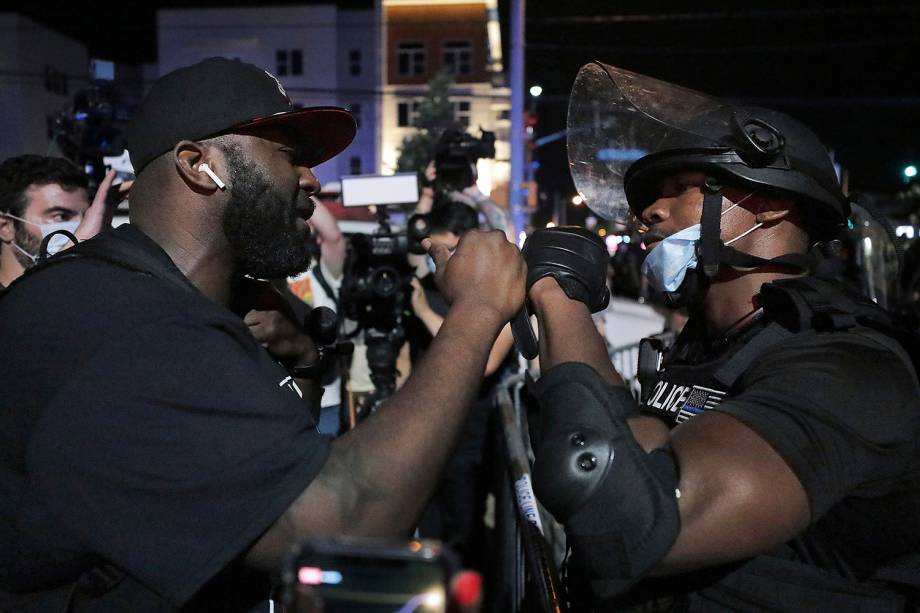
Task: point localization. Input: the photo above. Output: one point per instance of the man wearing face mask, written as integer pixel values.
(158, 456)
(40, 195)
(772, 463)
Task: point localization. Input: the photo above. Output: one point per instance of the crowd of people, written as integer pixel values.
(171, 426)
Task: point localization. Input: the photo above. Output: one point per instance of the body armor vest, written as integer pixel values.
(692, 376)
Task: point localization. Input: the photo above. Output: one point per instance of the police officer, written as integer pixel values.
(773, 463)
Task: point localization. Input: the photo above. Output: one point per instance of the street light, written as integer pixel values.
(910, 171)
(535, 91)
(577, 200)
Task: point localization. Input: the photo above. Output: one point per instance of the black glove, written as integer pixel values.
(575, 257)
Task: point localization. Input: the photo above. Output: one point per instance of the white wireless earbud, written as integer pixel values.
(207, 169)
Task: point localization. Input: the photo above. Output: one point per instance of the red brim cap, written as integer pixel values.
(321, 131)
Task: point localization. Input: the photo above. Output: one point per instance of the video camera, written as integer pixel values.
(455, 156)
(377, 282)
(92, 126)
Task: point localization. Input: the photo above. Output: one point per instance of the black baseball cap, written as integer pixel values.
(218, 96)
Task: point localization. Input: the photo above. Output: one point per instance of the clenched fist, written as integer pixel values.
(485, 272)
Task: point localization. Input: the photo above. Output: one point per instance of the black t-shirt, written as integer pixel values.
(843, 410)
(141, 425)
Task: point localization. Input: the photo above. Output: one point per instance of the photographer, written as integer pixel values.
(448, 222)
(156, 456)
(456, 182)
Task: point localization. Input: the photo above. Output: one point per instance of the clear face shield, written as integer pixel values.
(617, 117)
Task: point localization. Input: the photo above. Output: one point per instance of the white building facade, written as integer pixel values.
(322, 55)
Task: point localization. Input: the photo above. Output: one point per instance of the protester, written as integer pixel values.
(155, 455)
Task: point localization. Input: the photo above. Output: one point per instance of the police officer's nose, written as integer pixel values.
(656, 212)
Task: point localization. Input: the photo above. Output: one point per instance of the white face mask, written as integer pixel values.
(56, 243)
(667, 265)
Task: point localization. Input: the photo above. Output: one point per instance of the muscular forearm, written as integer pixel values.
(567, 332)
(500, 347)
(365, 487)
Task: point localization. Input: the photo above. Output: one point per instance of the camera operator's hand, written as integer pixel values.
(420, 304)
(423, 310)
(485, 271)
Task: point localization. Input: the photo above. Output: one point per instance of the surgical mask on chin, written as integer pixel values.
(57, 242)
(667, 264)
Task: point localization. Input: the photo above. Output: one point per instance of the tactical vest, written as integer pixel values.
(676, 386)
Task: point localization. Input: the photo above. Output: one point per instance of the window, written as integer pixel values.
(355, 165)
(288, 62)
(354, 62)
(356, 111)
(406, 114)
(458, 57)
(410, 59)
(461, 112)
(281, 62)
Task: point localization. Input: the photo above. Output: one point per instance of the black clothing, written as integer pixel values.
(841, 408)
(141, 425)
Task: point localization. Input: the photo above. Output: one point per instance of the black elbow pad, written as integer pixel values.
(618, 503)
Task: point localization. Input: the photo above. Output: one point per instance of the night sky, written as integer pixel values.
(849, 70)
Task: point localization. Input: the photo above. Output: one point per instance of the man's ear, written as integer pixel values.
(773, 210)
(188, 157)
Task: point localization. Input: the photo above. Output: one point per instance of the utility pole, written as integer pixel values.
(518, 137)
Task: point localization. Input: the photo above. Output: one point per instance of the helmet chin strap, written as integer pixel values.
(712, 253)
(709, 249)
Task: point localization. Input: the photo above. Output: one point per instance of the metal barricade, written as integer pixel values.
(536, 562)
(536, 583)
(626, 361)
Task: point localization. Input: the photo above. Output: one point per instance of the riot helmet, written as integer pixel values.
(626, 131)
